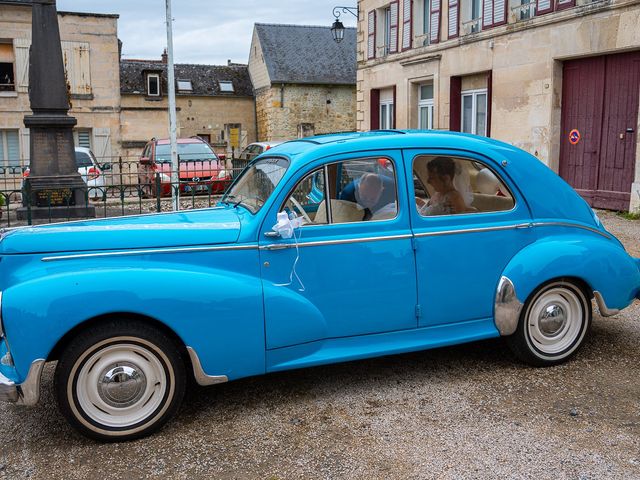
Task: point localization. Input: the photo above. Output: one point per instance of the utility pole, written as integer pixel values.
(175, 166)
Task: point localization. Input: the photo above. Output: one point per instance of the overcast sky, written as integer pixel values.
(204, 31)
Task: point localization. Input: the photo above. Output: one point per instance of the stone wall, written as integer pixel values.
(97, 110)
(281, 109)
(141, 119)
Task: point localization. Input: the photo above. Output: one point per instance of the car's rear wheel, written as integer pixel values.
(553, 324)
(119, 381)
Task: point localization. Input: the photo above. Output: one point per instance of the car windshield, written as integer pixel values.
(186, 152)
(257, 183)
(83, 160)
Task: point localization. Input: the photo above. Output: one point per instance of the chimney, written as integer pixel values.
(165, 57)
(228, 62)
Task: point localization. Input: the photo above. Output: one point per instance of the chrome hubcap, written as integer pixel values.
(552, 319)
(122, 385)
(555, 320)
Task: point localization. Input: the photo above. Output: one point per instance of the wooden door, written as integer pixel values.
(600, 99)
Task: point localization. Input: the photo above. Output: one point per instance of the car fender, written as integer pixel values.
(218, 315)
(600, 262)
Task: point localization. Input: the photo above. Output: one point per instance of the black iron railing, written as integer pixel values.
(116, 187)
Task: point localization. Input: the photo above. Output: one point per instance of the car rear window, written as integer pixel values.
(186, 152)
(83, 160)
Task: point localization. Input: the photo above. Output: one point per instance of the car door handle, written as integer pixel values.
(276, 246)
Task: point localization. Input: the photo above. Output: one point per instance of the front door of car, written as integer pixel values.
(350, 269)
(469, 221)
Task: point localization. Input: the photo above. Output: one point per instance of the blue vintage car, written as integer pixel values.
(325, 249)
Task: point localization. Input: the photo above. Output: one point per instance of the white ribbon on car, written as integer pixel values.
(287, 228)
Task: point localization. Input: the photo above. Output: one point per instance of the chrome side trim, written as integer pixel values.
(128, 253)
(507, 307)
(572, 225)
(280, 246)
(201, 377)
(518, 226)
(26, 393)
(602, 305)
(29, 390)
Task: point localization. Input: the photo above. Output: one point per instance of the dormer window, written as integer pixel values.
(153, 85)
(226, 86)
(185, 86)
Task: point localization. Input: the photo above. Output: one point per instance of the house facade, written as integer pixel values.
(304, 82)
(214, 102)
(90, 51)
(557, 78)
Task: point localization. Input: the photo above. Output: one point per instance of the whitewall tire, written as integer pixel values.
(119, 380)
(553, 324)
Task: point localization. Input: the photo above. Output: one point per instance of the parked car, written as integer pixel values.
(256, 148)
(274, 278)
(90, 170)
(201, 170)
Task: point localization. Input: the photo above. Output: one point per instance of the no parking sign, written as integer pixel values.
(574, 136)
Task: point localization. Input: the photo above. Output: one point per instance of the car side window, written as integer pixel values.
(308, 199)
(358, 190)
(454, 186)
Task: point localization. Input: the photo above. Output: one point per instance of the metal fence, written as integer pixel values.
(112, 187)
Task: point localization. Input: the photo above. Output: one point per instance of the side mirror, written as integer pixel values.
(105, 166)
(145, 160)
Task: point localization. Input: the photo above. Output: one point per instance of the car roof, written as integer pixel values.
(83, 150)
(267, 144)
(529, 174)
(165, 141)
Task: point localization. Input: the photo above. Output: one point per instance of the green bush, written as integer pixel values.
(1, 200)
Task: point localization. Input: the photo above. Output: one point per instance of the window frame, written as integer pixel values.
(10, 87)
(226, 83)
(157, 77)
(429, 104)
(181, 89)
(474, 93)
(4, 153)
(325, 171)
(475, 161)
(389, 114)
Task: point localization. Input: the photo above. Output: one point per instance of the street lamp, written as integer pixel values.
(337, 29)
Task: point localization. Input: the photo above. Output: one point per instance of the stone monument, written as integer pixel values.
(54, 189)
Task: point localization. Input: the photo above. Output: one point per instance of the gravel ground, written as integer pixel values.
(470, 411)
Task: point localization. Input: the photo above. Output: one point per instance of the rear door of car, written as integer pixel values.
(460, 256)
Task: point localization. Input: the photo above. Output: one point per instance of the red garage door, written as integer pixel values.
(599, 122)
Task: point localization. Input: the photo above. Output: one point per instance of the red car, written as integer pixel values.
(201, 170)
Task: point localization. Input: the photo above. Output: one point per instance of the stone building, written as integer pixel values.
(558, 78)
(90, 51)
(213, 102)
(304, 82)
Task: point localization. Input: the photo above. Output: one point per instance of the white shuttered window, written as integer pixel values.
(77, 66)
(393, 27)
(434, 31)
(9, 148)
(21, 51)
(371, 32)
(453, 18)
(407, 13)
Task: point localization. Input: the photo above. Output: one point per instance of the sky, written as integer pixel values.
(208, 32)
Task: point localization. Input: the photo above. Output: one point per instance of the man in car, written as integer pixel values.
(372, 192)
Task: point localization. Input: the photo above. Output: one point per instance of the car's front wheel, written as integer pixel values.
(553, 324)
(120, 380)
